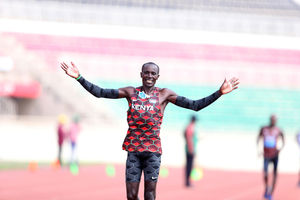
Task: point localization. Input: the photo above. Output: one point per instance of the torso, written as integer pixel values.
(61, 133)
(270, 135)
(190, 134)
(190, 130)
(74, 131)
(144, 118)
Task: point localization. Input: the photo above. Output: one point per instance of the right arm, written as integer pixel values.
(95, 90)
(98, 91)
(259, 137)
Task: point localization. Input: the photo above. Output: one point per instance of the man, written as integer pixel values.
(190, 141)
(270, 135)
(146, 108)
(74, 131)
(61, 136)
(298, 142)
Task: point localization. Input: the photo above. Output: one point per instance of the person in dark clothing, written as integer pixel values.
(190, 147)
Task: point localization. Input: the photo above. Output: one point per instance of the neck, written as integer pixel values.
(148, 90)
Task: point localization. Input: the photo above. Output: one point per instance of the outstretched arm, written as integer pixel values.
(197, 105)
(95, 90)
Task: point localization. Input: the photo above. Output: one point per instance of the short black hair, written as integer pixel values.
(194, 118)
(150, 63)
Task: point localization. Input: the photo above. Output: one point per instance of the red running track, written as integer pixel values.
(92, 183)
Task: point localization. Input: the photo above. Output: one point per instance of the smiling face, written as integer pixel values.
(149, 74)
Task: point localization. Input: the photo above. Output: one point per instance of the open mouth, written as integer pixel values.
(149, 81)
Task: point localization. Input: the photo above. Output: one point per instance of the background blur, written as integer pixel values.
(196, 43)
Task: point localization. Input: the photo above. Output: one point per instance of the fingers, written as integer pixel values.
(234, 79)
(73, 64)
(234, 82)
(64, 66)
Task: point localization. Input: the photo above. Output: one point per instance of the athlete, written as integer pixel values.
(146, 108)
(190, 148)
(270, 135)
(62, 133)
(298, 142)
(74, 131)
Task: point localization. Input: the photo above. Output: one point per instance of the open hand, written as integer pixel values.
(71, 70)
(229, 86)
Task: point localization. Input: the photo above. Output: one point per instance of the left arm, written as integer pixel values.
(197, 105)
(259, 137)
(283, 141)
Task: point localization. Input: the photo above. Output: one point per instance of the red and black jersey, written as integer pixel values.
(144, 118)
(144, 114)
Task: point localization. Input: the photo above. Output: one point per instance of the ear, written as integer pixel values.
(141, 73)
(157, 76)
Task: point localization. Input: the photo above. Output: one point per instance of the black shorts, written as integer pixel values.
(267, 161)
(142, 161)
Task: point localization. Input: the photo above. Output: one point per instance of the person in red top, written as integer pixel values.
(144, 116)
(270, 135)
(61, 135)
(190, 140)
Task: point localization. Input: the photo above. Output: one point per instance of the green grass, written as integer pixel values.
(13, 165)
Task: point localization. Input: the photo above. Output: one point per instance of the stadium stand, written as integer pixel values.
(115, 62)
(250, 5)
(269, 75)
(279, 17)
(37, 83)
